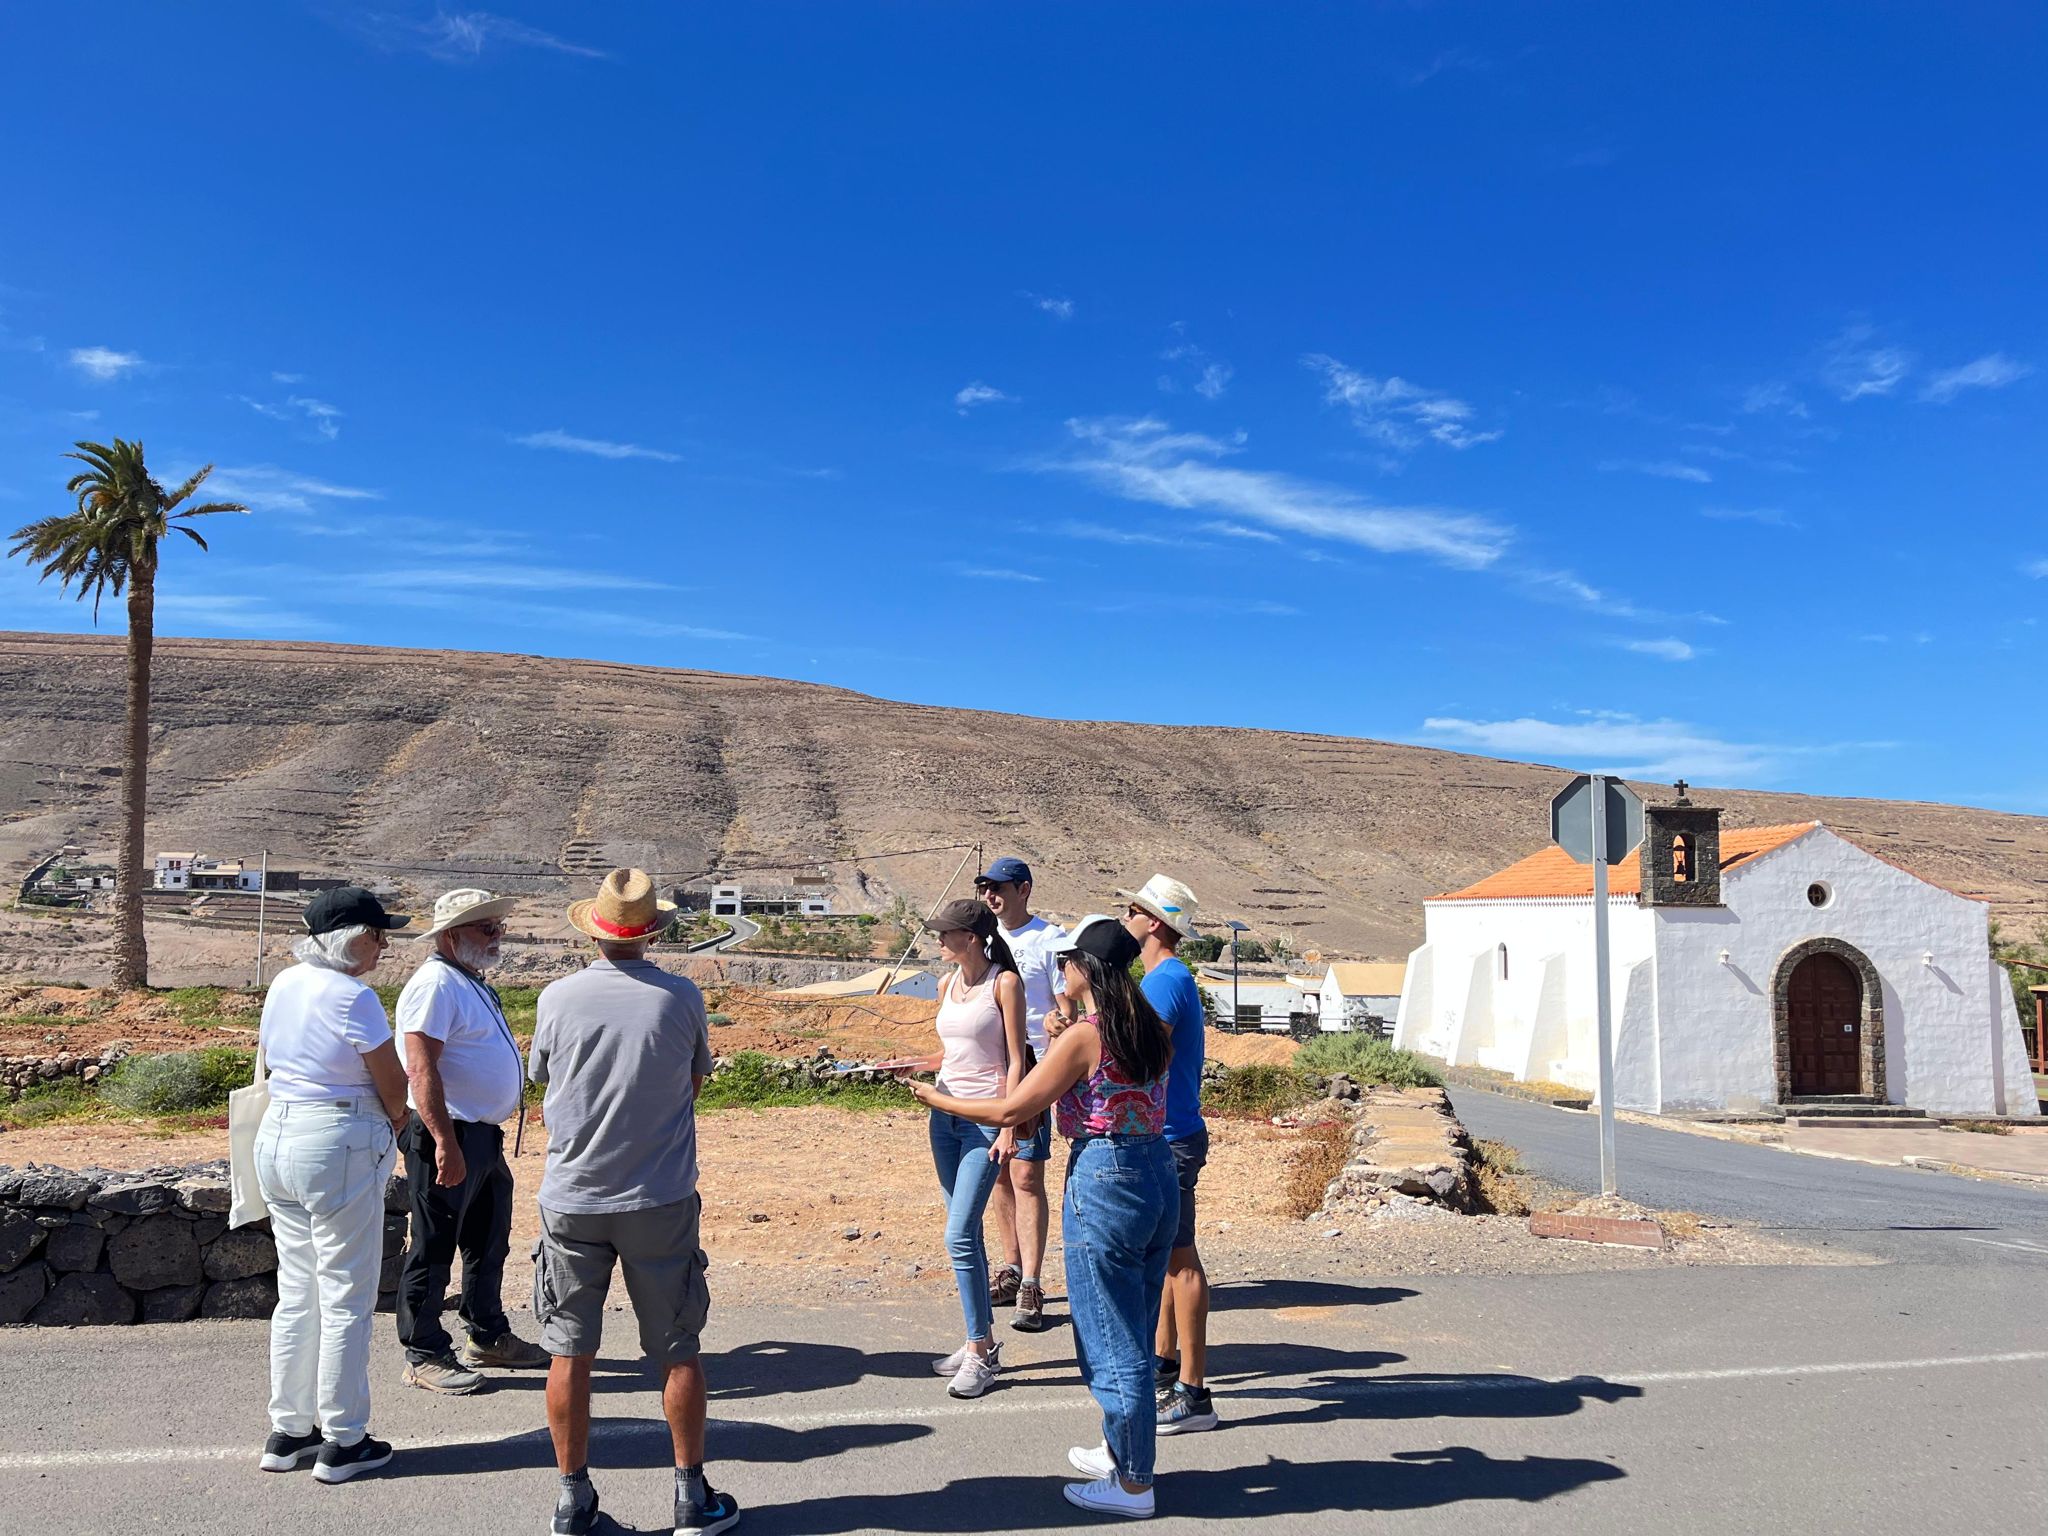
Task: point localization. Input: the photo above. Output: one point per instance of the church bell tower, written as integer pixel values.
(1681, 853)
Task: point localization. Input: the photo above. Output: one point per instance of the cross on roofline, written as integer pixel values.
(1682, 787)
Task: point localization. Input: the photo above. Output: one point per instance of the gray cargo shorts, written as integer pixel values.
(572, 1272)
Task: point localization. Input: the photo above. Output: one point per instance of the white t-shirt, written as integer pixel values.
(481, 1074)
(317, 1025)
(1034, 945)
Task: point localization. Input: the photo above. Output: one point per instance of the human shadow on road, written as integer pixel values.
(1426, 1395)
(776, 1367)
(606, 1375)
(1232, 1365)
(641, 1443)
(1259, 1295)
(1407, 1480)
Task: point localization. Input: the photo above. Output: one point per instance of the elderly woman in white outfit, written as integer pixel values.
(323, 1153)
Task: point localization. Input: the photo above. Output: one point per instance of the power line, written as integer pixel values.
(552, 871)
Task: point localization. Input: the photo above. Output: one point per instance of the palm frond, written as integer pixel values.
(191, 535)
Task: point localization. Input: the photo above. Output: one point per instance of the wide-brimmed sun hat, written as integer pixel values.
(624, 910)
(1169, 901)
(456, 909)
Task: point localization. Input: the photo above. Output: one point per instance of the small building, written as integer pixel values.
(217, 875)
(803, 897)
(880, 982)
(1748, 968)
(1360, 996)
(174, 871)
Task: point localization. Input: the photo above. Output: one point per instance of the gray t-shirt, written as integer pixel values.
(618, 1047)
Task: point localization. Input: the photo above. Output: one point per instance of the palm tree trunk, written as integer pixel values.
(131, 958)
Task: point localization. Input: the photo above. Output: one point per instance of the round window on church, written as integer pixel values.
(1818, 894)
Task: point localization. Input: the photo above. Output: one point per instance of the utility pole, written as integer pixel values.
(1602, 990)
(262, 897)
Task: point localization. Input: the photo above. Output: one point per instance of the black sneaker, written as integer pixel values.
(1186, 1409)
(1164, 1374)
(718, 1512)
(337, 1464)
(571, 1518)
(285, 1453)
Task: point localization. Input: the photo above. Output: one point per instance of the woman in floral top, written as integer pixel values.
(1104, 1077)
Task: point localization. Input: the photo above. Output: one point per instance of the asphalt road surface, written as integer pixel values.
(1901, 1392)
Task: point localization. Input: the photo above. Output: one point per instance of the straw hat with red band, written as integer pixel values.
(624, 911)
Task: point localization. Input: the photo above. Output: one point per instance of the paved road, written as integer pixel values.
(1896, 1212)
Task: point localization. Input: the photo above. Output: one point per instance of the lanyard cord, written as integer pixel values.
(490, 994)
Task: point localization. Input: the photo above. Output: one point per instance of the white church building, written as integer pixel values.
(1760, 966)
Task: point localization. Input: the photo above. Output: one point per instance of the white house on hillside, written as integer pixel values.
(1353, 993)
(1766, 965)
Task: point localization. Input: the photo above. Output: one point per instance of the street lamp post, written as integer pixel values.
(1235, 928)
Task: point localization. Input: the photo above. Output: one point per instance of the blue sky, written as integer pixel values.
(1644, 387)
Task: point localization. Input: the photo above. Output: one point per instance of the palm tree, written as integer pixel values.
(110, 543)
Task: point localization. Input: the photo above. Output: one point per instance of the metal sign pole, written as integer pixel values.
(1603, 1001)
(262, 896)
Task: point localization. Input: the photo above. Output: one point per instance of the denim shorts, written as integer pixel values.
(1037, 1149)
(1190, 1154)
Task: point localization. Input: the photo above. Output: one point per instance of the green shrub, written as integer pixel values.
(182, 1083)
(1366, 1059)
(755, 1080)
(1258, 1088)
(44, 1102)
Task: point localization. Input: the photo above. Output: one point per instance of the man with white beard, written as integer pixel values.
(466, 1078)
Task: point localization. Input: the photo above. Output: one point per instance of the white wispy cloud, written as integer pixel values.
(1394, 412)
(511, 578)
(104, 363)
(1669, 648)
(1059, 309)
(968, 396)
(1636, 749)
(994, 573)
(1773, 397)
(1214, 380)
(1663, 469)
(287, 378)
(1856, 365)
(1239, 531)
(1105, 533)
(300, 410)
(1201, 370)
(462, 36)
(596, 447)
(1770, 517)
(1145, 460)
(1563, 586)
(2038, 569)
(238, 612)
(266, 488)
(1993, 371)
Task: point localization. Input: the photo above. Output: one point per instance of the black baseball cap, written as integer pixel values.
(1005, 871)
(1106, 939)
(348, 906)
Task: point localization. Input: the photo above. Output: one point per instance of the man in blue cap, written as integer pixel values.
(1019, 1198)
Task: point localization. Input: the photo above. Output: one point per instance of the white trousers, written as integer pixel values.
(322, 1166)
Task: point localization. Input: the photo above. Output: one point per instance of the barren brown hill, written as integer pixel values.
(430, 768)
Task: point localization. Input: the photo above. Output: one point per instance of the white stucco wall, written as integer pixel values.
(1944, 1025)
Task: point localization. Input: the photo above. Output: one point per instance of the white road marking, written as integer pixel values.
(32, 1461)
(1992, 1242)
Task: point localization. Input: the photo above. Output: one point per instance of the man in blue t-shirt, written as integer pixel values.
(1159, 916)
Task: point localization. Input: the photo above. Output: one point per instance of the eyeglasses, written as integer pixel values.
(490, 930)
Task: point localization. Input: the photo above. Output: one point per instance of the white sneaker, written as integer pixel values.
(1092, 1461)
(976, 1375)
(950, 1366)
(1106, 1496)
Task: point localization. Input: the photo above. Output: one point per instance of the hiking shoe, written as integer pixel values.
(283, 1453)
(976, 1375)
(1003, 1284)
(1092, 1461)
(572, 1518)
(950, 1366)
(337, 1464)
(1030, 1316)
(718, 1512)
(444, 1374)
(508, 1352)
(1185, 1409)
(1106, 1496)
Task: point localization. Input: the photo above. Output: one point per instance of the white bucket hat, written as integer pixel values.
(1169, 901)
(457, 908)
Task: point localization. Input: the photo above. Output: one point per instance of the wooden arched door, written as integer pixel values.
(1824, 1022)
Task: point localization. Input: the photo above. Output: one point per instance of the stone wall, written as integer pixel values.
(18, 1073)
(1407, 1144)
(95, 1247)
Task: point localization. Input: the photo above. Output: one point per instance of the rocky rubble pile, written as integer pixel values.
(1407, 1146)
(20, 1073)
(91, 1246)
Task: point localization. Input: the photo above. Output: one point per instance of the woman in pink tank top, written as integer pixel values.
(982, 1057)
(1106, 1074)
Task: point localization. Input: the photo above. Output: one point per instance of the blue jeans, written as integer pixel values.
(1122, 1205)
(960, 1152)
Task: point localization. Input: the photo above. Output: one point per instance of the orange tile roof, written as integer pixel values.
(1553, 872)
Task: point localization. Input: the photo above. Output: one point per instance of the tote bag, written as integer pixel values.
(246, 1108)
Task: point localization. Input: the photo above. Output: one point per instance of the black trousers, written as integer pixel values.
(473, 1218)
